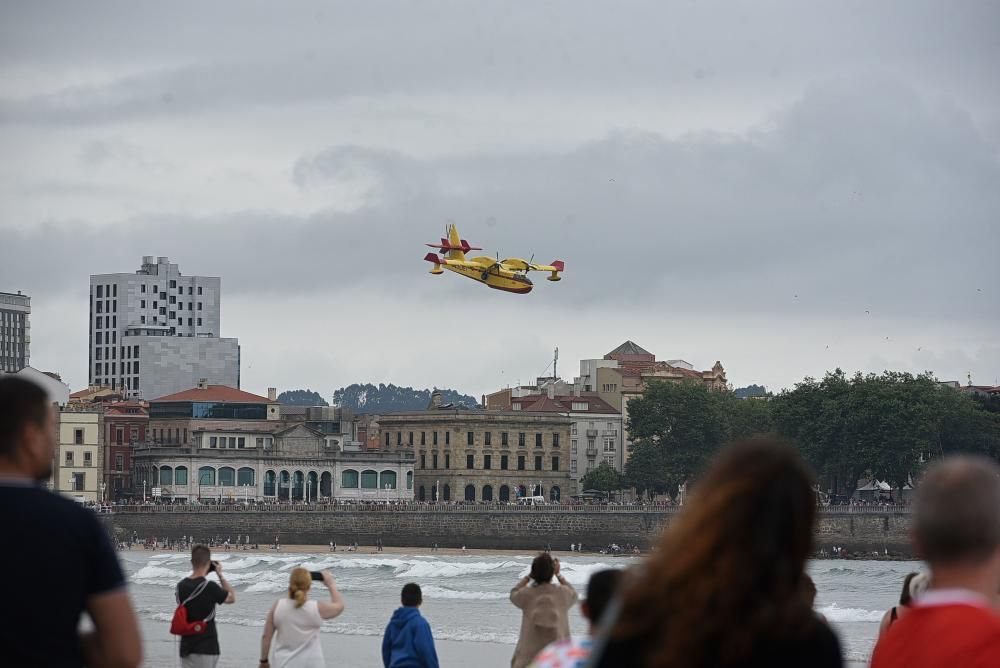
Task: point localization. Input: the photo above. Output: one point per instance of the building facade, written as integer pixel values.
(481, 456)
(221, 444)
(125, 425)
(155, 332)
(78, 467)
(15, 331)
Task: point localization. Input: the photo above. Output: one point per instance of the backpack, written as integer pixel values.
(179, 625)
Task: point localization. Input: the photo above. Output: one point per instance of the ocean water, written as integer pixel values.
(465, 600)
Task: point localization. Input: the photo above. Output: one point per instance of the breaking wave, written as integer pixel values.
(835, 613)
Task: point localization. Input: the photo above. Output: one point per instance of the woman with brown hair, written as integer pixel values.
(294, 623)
(724, 587)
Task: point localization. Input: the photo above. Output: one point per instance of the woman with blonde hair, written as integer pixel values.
(294, 622)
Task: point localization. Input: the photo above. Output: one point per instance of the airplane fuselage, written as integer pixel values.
(496, 278)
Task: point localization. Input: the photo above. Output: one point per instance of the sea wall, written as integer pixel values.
(525, 529)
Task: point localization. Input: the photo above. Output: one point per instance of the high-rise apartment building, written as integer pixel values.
(15, 331)
(155, 332)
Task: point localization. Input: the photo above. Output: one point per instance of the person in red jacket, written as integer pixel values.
(957, 531)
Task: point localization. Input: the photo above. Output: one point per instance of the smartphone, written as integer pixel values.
(211, 567)
(316, 575)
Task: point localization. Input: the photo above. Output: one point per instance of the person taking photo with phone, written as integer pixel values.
(200, 596)
(293, 623)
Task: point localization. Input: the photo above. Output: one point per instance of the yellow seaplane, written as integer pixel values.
(509, 275)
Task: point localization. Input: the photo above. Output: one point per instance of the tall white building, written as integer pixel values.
(155, 332)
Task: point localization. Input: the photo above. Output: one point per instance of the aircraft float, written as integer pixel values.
(509, 275)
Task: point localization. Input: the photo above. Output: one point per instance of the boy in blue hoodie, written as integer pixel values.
(408, 642)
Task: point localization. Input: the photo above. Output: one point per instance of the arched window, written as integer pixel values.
(284, 485)
(420, 493)
(246, 476)
(435, 492)
(312, 489)
(298, 486)
(487, 492)
(166, 475)
(269, 483)
(554, 493)
(349, 479)
(446, 493)
(387, 478)
(470, 492)
(227, 476)
(206, 475)
(409, 480)
(536, 490)
(326, 484)
(181, 475)
(369, 480)
(504, 494)
(522, 491)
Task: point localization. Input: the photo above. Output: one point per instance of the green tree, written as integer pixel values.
(604, 478)
(302, 398)
(682, 425)
(646, 469)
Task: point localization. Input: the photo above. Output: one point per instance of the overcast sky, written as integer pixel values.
(785, 187)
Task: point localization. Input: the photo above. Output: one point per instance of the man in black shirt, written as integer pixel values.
(202, 650)
(62, 563)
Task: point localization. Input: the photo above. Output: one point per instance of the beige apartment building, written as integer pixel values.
(78, 467)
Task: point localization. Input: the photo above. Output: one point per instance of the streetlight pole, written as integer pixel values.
(144, 490)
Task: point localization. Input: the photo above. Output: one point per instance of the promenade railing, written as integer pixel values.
(446, 507)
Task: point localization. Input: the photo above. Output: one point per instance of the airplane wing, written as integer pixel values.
(481, 263)
(519, 264)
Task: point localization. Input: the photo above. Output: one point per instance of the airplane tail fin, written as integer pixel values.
(454, 247)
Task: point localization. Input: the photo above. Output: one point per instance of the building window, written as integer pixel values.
(410, 438)
(78, 436)
(172, 300)
(241, 442)
(386, 439)
(78, 479)
(538, 440)
(591, 444)
(487, 461)
(609, 445)
(199, 289)
(447, 460)
(520, 462)
(573, 429)
(503, 439)
(87, 459)
(100, 291)
(190, 290)
(181, 475)
(447, 438)
(555, 463)
(470, 438)
(434, 438)
(572, 466)
(470, 461)
(213, 441)
(349, 478)
(423, 438)
(399, 438)
(199, 322)
(610, 461)
(488, 438)
(142, 288)
(538, 463)
(503, 462)
(555, 440)
(423, 461)
(69, 458)
(580, 406)
(434, 461)
(199, 306)
(572, 446)
(520, 440)
(516, 406)
(119, 462)
(173, 284)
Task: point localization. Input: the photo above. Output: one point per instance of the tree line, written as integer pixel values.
(886, 426)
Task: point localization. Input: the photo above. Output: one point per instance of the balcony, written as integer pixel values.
(591, 452)
(591, 433)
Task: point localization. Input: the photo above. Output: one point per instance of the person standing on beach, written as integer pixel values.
(956, 529)
(913, 586)
(544, 608)
(59, 561)
(202, 650)
(408, 641)
(574, 653)
(724, 587)
(293, 623)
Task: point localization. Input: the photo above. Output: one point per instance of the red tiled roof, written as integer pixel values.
(541, 403)
(218, 394)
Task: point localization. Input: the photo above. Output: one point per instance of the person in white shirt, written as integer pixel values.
(293, 624)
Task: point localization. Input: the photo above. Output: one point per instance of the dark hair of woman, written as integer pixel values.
(726, 579)
(543, 568)
(904, 596)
